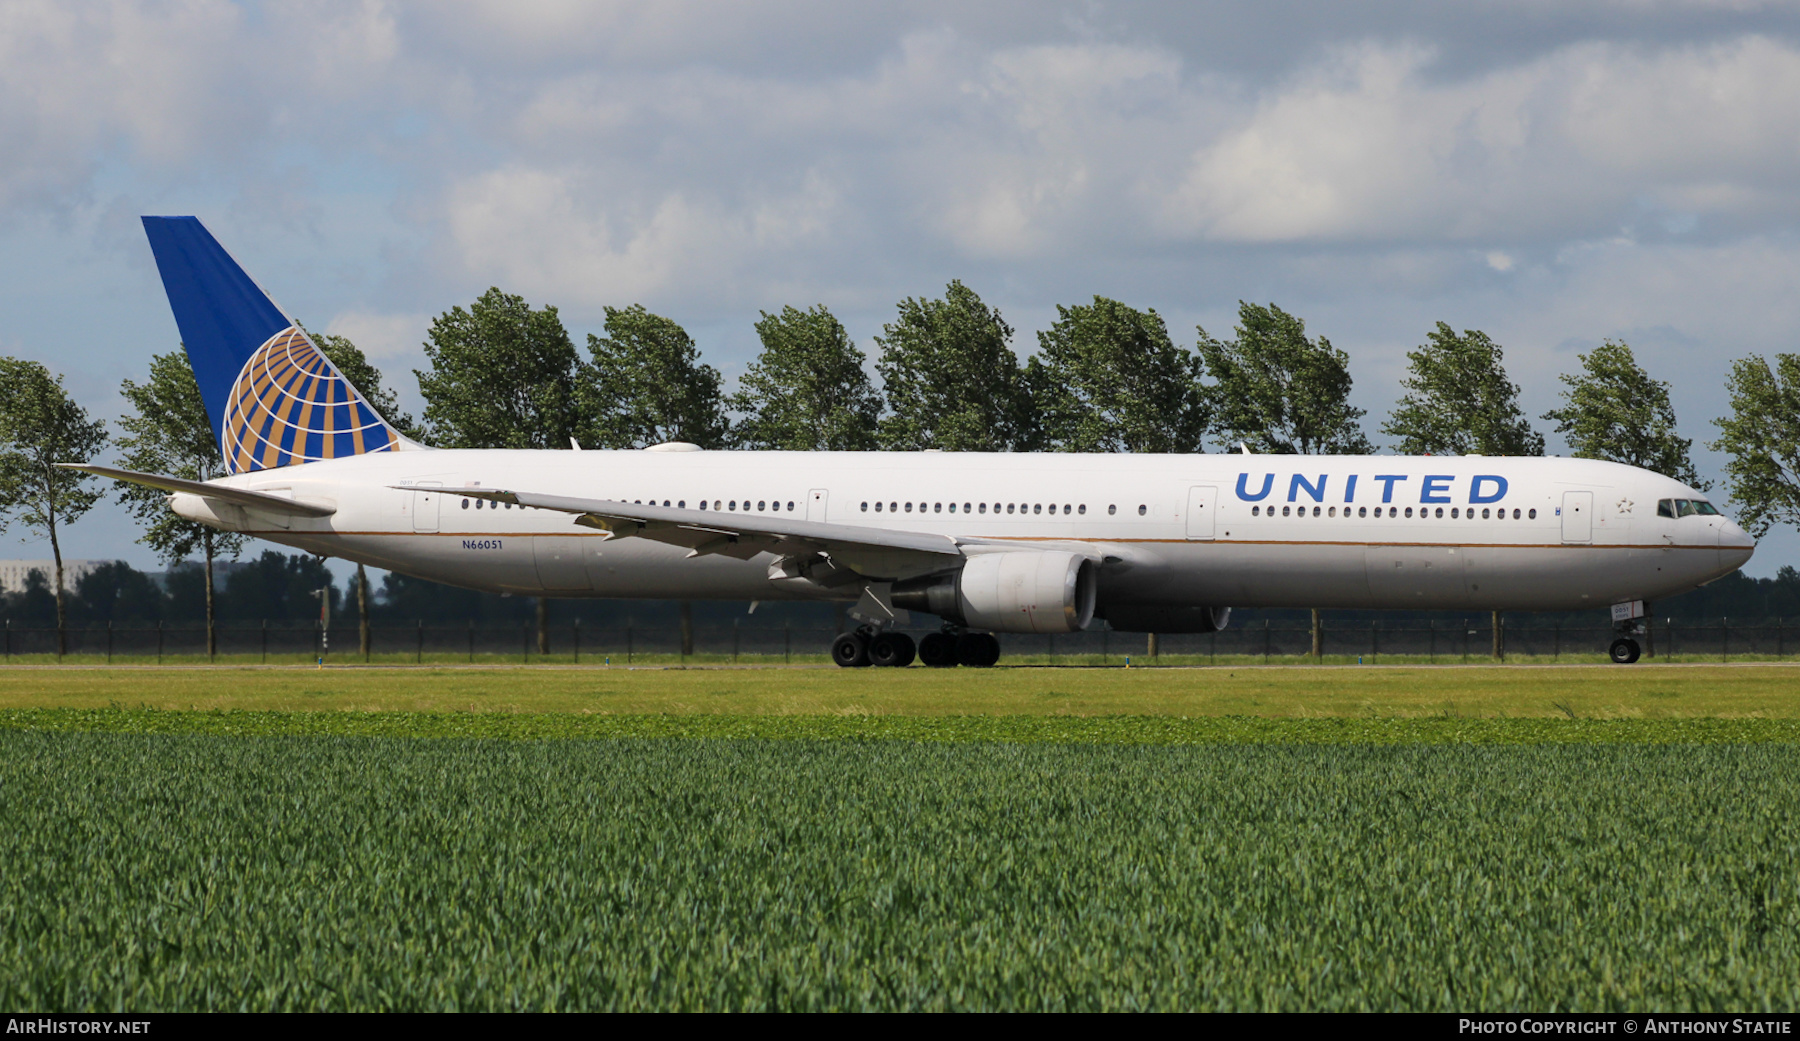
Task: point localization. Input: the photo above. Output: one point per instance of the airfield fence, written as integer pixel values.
(1371, 643)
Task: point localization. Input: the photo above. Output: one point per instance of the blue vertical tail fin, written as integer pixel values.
(274, 398)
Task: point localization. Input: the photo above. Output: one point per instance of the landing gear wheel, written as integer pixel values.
(938, 650)
(893, 650)
(977, 650)
(850, 650)
(1625, 651)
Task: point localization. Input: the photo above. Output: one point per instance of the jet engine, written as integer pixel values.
(1009, 592)
(1136, 619)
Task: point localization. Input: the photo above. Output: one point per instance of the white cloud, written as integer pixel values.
(383, 337)
(1380, 144)
(561, 235)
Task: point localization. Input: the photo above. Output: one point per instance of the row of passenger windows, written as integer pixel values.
(999, 507)
(1394, 511)
(762, 505)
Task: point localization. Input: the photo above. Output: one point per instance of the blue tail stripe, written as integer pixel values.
(221, 313)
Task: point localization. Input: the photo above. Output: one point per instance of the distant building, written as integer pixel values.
(15, 573)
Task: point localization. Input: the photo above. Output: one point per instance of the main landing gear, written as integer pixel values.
(863, 646)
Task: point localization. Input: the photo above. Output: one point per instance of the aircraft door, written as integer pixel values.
(1202, 505)
(425, 506)
(815, 504)
(1578, 517)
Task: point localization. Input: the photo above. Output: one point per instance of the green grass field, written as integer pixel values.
(1312, 838)
(1641, 691)
(146, 872)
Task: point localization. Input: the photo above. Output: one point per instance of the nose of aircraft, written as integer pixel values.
(1735, 545)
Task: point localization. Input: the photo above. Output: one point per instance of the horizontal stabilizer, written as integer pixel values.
(238, 496)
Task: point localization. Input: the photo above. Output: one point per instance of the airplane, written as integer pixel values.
(989, 543)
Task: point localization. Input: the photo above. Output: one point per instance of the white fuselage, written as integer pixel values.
(1171, 530)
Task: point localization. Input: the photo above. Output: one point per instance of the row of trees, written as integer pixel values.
(1107, 377)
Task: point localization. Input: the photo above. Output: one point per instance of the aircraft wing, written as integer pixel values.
(876, 553)
(237, 496)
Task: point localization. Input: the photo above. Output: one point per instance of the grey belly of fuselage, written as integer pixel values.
(1234, 574)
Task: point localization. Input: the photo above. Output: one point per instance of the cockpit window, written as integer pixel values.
(1704, 508)
(1665, 508)
(1684, 508)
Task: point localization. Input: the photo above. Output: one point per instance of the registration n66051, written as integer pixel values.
(481, 543)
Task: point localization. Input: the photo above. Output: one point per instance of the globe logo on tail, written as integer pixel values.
(291, 405)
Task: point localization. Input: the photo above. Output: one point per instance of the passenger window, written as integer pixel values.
(465, 504)
(1110, 510)
(1009, 507)
(865, 507)
(1315, 511)
(937, 507)
(1039, 508)
(1284, 512)
(1081, 510)
(734, 504)
(1256, 511)
(1532, 515)
(1515, 514)
(1333, 512)
(703, 504)
(952, 507)
(984, 507)
(1142, 509)
(1363, 511)
(1484, 514)
(966, 507)
(1409, 511)
(909, 507)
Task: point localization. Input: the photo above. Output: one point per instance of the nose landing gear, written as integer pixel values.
(1625, 651)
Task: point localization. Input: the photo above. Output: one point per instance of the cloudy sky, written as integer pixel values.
(1554, 173)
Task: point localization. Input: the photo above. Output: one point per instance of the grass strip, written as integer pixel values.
(1018, 729)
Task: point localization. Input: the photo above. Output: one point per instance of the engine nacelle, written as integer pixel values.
(1009, 592)
(1129, 619)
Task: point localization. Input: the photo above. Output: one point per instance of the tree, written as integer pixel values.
(169, 432)
(366, 378)
(1762, 436)
(1614, 410)
(40, 426)
(646, 385)
(1277, 391)
(502, 376)
(355, 366)
(951, 378)
(807, 390)
(1459, 401)
(1110, 379)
